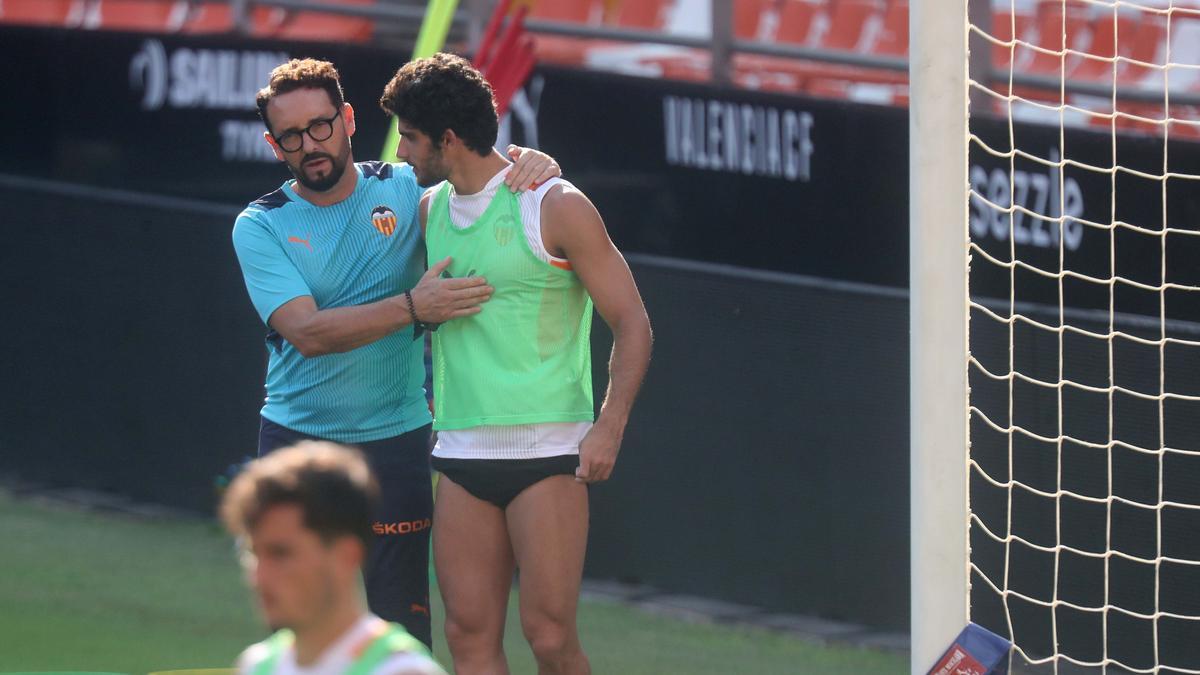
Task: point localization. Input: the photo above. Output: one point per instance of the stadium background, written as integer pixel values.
(765, 219)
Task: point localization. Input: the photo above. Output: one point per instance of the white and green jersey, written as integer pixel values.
(517, 383)
(371, 646)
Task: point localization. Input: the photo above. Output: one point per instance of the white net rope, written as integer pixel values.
(1084, 363)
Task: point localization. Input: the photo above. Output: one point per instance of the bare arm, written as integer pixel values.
(572, 228)
(316, 332)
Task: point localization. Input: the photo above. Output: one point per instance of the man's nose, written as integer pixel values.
(309, 144)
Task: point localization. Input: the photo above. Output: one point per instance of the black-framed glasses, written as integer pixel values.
(319, 130)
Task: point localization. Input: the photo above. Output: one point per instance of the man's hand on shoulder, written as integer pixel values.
(530, 169)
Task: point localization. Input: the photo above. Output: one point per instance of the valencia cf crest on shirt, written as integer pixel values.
(384, 220)
(504, 229)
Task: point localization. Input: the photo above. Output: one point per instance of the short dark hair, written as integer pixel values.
(444, 92)
(300, 74)
(331, 484)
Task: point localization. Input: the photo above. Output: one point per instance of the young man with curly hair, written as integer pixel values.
(517, 446)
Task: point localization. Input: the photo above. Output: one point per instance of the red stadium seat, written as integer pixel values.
(1002, 29)
(782, 74)
(560, 49)
(42, 12)
(642, 14)
(797, 21)
(1102, 34)
(771, 73)
(1149, 44)
(805, 23)
(1056, 21)
(749, 19)
(213, 16)
(757, 75)
(575, 11)
(862, 92)
(557, 48)
(327, 27)
(209, 17)
(693, 65)
(893, 39)
(1184, 49)
(853, 25)
(137, 15)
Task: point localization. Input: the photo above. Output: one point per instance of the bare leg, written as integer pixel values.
(548, 524)
(474, 564)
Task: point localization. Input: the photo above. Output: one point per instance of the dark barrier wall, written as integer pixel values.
(1147, 517)
(168, 115)
(132, 361)
(766, 461)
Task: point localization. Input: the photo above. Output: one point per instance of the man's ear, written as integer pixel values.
(450, 139)
(274, 146)
(348, 115)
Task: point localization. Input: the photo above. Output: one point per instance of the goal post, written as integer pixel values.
(938, 313)
(1055, 327)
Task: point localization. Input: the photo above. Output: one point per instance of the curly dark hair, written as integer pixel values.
(444, 92)
(331, 484)
(300, 74)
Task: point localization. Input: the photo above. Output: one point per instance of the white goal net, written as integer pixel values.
(1084, 332)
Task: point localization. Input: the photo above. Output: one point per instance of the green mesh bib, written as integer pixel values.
(396, 640)
(526, 358)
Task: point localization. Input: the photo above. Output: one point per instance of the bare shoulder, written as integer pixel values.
(571, 226)
(564, 197)
(565, 205)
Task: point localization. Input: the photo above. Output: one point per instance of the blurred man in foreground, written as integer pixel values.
(303, 515)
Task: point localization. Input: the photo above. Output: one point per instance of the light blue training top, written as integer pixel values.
(363, 249)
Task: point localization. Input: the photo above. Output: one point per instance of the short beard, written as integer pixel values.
(431, 179)
(427, 182)
(337, 169)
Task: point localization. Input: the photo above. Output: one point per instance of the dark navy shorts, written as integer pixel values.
(396, 573)
(499, 481)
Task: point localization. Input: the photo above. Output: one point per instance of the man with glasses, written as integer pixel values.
(334, 265)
